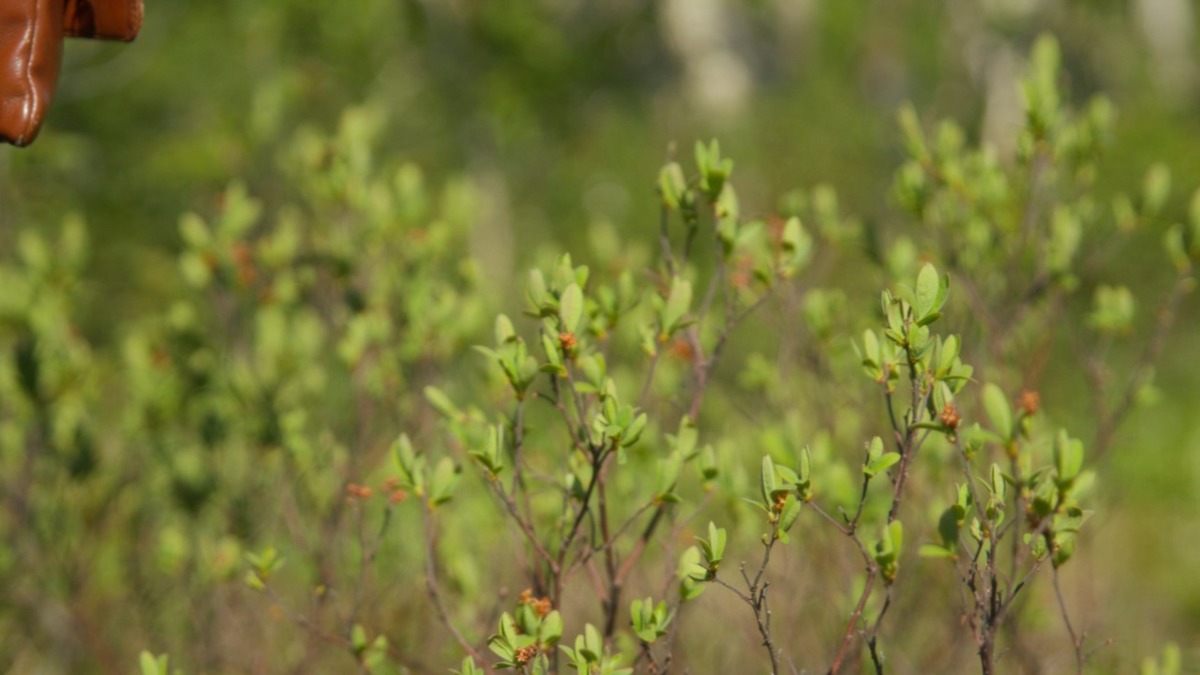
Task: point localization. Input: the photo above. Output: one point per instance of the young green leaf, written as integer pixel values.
(445, 478)
(998, 410)
(1068, 458)
(570, 308)
(442, 403)
(504, 330)
(671, 185)
(767, 481)
(551, 629)
(925, 296)
(678, 302)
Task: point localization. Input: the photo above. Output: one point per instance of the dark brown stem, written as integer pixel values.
(525, 526)
(756, 597)
(610, 559)
(848, 635)
(873, 635)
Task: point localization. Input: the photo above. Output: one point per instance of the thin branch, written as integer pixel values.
(664, 239)
(651, 369)
(431, 585)
(756, 597)
(1167, 313)
(587, 553)
(599, 459)
(848, 635)
(524, 525)
(873, 635)
(610, 558)
(368, 551)
(1076, 640)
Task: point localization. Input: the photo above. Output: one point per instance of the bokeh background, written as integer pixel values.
(559, 113)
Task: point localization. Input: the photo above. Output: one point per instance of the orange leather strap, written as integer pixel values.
(103, 19)
(31, 36)
(30, 54)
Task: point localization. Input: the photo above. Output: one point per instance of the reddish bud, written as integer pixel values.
(567, 341)
(1030, 402)
(949, 417)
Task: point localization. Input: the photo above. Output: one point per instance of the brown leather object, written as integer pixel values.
(31, 35)
(103, 19)
(30, 53)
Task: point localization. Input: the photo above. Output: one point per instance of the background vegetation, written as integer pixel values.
(178, 390)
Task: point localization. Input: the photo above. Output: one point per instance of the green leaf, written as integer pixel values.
(691, 571)
(592, 642)
(767, 481)
(927, 291)
(998, 410)
(1194, 211)
(914, 136)
(685, 439)
(678, 303)
(884, 462)
(797, 243)
(713, 547)
(1068, 458)
(410, 465)
(874, 449)
(358, 638)
(442, 403)
(1173, 242)
(468, 667)
(949, 524)
(948, 349)
(804, 466)
(551, 628)
(1156, 187)
(501, 647)
(254, 581)
(871, 350)
(998, 483)
(714, 170)
(537, 289)
(896, 531)
(150, 665)
(594, 368)
(570, 308)
(195, 231)
(935, 551)
(671, 185)
(702, 157)
(504, 330)
(445, 478)
(668, 473)
(492, 354)
(1066, 234)
(1113, 310)
(791, 511)
(633, 432)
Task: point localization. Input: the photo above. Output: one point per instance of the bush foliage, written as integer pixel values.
(690, 451)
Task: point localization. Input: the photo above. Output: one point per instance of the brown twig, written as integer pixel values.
(1077, 640)
(431, 585)
(756, 597)
(1167, 313)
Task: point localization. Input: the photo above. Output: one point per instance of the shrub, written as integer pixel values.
(564, 497)
(605, 448)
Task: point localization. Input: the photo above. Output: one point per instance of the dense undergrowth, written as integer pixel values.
(691, 451)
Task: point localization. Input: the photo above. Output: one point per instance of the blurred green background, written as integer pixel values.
(560, 112)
